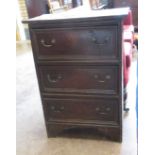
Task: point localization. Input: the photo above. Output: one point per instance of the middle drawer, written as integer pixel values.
(79, 79)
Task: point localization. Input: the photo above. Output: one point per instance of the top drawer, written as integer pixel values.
(77, 43)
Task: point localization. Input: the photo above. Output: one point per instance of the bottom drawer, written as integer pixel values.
(82, 110)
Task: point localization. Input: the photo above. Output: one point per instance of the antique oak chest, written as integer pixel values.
(78, 60)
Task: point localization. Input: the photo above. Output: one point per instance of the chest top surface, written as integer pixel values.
(80, 13)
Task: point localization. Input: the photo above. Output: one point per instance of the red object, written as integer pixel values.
(128, 37)
(128, 20)
(128, 28)
(127, 57)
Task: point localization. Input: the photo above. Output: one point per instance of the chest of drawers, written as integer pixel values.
(78, 62)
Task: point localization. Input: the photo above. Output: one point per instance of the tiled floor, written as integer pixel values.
(31, 132)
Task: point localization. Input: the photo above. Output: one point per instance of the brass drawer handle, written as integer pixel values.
(57, 110)
(96, 76)
(103, 110)
(96, 41)
(102, 113)
(101, 81)
(105, 41)
(107, 77)
(48, 45)
(54, 80)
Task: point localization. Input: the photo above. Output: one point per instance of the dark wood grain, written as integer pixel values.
(85, 131)
(100, 111)
(80, 81)
(95, 41)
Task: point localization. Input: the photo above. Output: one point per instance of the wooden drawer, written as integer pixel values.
(84, 43)
(79, 79)
(81, 110)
